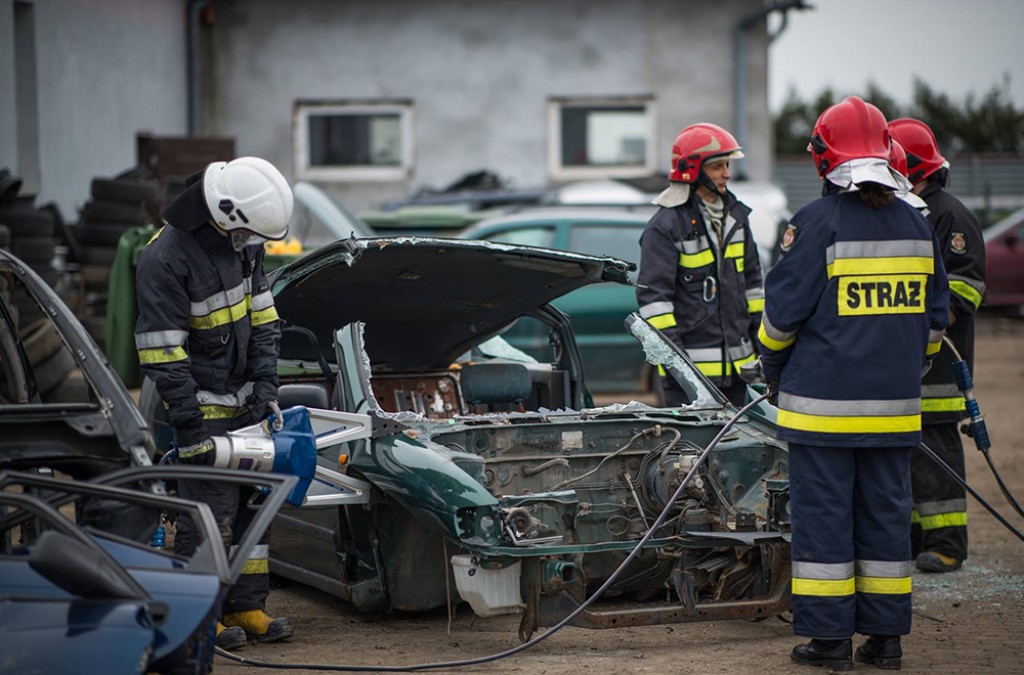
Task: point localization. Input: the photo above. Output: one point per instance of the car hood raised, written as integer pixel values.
(426, 300)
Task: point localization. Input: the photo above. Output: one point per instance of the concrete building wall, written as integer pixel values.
(479, 75)
(104, 70)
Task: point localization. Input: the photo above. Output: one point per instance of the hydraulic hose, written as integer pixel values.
(659, 521)
(959, 479)
(976, 428)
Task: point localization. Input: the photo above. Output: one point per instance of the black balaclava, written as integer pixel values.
(188, 210)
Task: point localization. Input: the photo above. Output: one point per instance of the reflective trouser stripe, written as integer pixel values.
(830, 588)
(258, 561)
(952, 404)
(934, 522)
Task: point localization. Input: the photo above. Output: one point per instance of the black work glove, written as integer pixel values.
(202, 453)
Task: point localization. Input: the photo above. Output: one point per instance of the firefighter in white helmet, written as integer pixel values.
(207, 335)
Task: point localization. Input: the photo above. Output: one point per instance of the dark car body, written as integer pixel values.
(54, 377)
(1004, 264)
(490, 476)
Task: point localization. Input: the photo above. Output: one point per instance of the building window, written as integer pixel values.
(353, 141)
(593, 138)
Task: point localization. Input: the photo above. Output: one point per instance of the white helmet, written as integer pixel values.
(250, 194)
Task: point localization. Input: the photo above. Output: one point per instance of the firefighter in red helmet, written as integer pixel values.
(700, 274)
(854, 311)
(939, 531)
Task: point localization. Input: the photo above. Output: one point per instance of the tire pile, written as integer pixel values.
(116, 204)
(35, 236)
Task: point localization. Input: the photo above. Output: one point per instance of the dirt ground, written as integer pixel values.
(971, 621)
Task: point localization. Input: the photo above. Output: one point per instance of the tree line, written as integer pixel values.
(989, 123)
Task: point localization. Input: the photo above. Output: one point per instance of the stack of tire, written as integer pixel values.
(116, 204)
(34, 234)
(30, 234)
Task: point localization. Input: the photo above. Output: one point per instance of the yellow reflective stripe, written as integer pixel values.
(745, 359)
(705, 257)
(849, 425)
(162, 355)
(220, 412)
(663, 321)
(222, 316)
(734, 250)
(714, 369)
(262, 316)
(965, 291)
(755, 305)
(662, 371)
(154, 237)
(902, 265)
(772, 343)
(261, 566)
(933, 348)
(884, 585)
(829, 588)
(955, 519)
(952, 404)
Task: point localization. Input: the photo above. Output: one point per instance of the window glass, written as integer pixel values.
(604, 135)
(342, 139)
(616, 240)
(526, 236)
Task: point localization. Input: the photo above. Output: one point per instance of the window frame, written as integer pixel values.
(559, 171)
(302, 111)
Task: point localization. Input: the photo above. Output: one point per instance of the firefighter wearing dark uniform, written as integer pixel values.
(939, 519)
(207, 335)
(854, 310)
(700, 273)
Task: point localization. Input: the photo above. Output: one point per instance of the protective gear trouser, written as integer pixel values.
(851, 540)
(939, 518)
(228, 502)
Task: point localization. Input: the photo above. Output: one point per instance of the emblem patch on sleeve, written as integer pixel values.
(958, 243)
(789, 236)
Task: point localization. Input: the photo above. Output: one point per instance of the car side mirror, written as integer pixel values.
(74, 567)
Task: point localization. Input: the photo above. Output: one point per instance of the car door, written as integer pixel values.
(1004, 268)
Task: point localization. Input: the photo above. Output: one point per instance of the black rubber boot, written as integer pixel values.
(832, 654)
(884, 651)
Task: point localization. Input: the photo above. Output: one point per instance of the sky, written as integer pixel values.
(955, 46)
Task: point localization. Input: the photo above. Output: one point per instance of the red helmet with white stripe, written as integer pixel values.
(697, 144)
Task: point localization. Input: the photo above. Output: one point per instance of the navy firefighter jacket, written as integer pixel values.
(207, 331)
(854, 312)
(705, 295)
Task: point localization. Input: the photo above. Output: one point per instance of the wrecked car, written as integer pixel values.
(87, 575)
(489, 476)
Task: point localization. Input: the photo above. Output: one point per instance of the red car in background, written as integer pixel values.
(1004, 264)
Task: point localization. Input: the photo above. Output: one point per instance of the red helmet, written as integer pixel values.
(697, 144)
(898, 158)
(850, 129)
(923, 157)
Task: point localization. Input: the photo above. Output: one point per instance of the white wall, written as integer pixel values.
(105, 69)
(479, 75)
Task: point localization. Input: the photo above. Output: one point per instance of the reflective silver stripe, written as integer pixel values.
(897, 248)
(655, 309)
(823, 571)
(939, 391)
(705, 355)
(741, 352)
(737, 235)
(222, 299)
(935, 335)
(755, 293)
(774, 333)
(894, 569)
(160, 338)
(236, 400)
(945, 506)
(262, 301)
(259, 552)
(691, 246)
(973, 283)
(834, 408)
